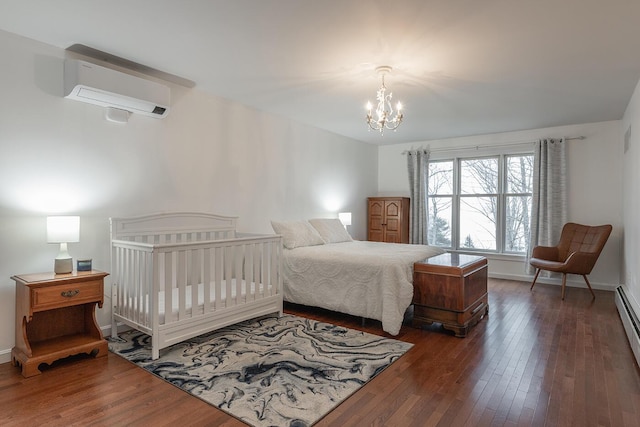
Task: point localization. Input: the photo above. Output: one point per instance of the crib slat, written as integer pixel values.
(274, 268)
(248, 272)
(228, 275)
(264, 269)
(195, 281)
(264, 274)
(257, 268)
(143, 264)
(144, 290)
(218, 282)
(119, 281)
(131, 282)
(130, 289)
(154, 290)
(135, 284)
(180, 283)
(167, 285)
(123, 279)
(206, 279)
(239, 257)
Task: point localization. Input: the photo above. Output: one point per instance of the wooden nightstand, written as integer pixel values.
(55, 318)
(450, 289)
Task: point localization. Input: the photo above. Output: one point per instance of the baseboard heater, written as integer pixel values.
(630, 321)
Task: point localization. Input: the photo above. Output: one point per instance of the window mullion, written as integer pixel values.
(501, 220)
(455, 232)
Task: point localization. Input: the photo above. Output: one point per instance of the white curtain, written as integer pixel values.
(549, 204)
(418, 167)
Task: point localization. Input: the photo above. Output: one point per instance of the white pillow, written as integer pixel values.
(297, 233)
(331, 230)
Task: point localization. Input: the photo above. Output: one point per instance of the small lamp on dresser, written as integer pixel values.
(63, 230)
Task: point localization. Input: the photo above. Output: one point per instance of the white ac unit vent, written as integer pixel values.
(98, 85)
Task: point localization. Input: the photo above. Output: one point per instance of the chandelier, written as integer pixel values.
(385, 117)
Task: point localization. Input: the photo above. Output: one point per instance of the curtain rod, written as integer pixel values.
(508, 144)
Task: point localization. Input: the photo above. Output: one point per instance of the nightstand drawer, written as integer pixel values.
(69, 294)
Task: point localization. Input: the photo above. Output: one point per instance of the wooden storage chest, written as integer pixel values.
(450, 289)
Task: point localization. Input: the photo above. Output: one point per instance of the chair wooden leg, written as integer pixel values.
(589, 285)
(564, 283)
(535, 278)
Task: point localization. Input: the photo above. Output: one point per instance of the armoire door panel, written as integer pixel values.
(393, 225)
(391, 209)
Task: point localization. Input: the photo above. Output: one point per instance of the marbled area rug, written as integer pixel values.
(287, 371)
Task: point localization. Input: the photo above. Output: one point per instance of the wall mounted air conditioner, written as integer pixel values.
(98, 85)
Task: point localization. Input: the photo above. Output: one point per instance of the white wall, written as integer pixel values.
(209, 154)
(631, 207)
(594, 188)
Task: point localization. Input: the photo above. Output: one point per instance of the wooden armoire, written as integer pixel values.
(388, 219)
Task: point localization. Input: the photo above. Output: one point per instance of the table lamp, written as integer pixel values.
(345, 218)
(63, 230)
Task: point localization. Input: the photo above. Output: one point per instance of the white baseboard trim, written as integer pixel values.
(5, 356)
(630, 321)
(570, 281)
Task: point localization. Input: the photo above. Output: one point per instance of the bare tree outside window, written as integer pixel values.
(519, 187)
(489, 209)
(479, 203)
(439, 203)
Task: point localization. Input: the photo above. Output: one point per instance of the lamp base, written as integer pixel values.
(63, 265)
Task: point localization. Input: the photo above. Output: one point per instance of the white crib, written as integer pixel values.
(179, 275)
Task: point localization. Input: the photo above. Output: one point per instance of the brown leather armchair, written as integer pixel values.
(576, 253)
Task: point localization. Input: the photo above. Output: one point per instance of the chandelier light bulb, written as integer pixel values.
(385, 116)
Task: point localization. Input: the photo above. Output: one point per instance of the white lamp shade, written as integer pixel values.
(345, 218)
(63, 229)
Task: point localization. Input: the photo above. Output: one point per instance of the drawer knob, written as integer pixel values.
(70, 294)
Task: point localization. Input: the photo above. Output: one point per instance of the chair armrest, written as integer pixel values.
(548, 253)
(580, 262)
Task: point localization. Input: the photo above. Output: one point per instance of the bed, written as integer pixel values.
(179, 275)
(324, 267)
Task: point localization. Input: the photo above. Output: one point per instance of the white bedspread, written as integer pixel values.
(367, 279)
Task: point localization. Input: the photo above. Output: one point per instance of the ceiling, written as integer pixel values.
(463, 67)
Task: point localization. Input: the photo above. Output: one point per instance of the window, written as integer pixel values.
(480, 203)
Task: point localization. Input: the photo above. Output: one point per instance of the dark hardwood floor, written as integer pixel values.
(535, 360)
